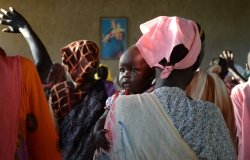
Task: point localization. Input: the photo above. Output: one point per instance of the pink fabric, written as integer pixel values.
(162, 34)
(110, 119)
(10, 102)
(240, 97)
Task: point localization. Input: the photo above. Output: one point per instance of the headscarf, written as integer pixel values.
(63, 97)
(80, 57)
(56, 73)
(161, 35)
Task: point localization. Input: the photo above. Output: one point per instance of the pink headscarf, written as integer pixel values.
(162, 34)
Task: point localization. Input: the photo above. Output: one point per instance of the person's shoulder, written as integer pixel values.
(25, 61)
(240, 88)
(204, 106)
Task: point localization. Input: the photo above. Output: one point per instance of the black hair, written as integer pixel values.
(183, 51)
(175, 58)
(102, 72)
(201, 31)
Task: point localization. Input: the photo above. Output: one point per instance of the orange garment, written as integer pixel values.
(208, 86)
(35, 121)
(31, 134)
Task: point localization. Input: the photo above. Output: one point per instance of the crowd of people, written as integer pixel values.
(165, 107)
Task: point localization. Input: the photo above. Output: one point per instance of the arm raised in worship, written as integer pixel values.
(229, 57)
(18, 24)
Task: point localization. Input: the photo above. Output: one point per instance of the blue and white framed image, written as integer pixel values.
(113, 37)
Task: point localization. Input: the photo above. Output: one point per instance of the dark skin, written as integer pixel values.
(179, 77)
(56, 74)
(134, 73)
(135, 76)
(229, 57)
(16, 23)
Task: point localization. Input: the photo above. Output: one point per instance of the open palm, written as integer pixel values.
(15, 21)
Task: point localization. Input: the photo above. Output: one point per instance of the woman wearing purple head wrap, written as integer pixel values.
(167, 124)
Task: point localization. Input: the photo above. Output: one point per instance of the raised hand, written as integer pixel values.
(229, 57)
(16, 23)
(14, 20)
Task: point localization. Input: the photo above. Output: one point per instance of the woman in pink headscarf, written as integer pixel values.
(167, 124)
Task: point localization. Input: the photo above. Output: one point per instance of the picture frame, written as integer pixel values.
(113, 36)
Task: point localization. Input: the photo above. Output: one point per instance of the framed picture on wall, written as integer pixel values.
(113, 36)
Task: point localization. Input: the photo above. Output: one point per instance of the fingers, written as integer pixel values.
(5, 22)
(104, 145)
(14, 12)
(4, 16)
(101, 140)
(230, 54)
(4, 11)
(8, 30)
(7, 14)
(11, 9)
(227, 54)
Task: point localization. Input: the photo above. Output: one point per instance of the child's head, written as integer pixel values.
(135, 75)
(170, 43)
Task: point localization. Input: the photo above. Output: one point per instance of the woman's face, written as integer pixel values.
(134, 73)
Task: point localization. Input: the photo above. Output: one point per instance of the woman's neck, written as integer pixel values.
(178, 78)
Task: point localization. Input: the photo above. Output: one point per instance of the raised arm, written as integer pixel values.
(229, 57)
(18, 24)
